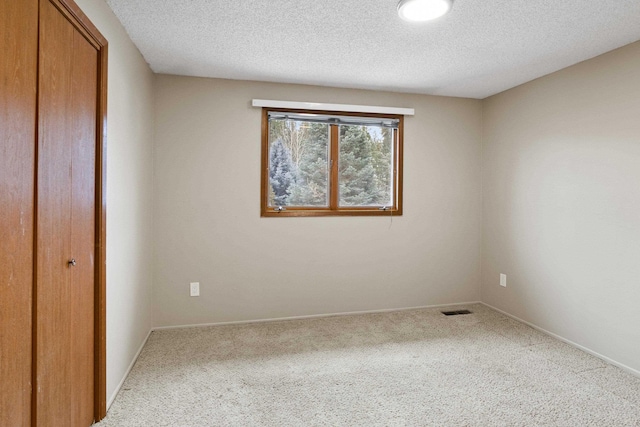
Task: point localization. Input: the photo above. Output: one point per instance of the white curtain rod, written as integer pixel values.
(332, 107)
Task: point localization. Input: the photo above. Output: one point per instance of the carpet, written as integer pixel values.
(403, 368)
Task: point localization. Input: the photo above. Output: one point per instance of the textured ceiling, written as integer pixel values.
(480, 48)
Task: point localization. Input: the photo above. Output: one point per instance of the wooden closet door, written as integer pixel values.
(18, 76)
(64, 351)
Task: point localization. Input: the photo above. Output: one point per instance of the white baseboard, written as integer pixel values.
(312, 316)
(126, 374)
(563, 339)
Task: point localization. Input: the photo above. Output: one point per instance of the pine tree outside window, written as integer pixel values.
(317, 163)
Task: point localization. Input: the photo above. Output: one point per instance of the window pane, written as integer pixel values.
(298, 163)
(365, 166)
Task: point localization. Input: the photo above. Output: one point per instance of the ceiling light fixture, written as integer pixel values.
(423, 10)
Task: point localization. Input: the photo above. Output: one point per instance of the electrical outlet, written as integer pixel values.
(194, 289)
(503, 280)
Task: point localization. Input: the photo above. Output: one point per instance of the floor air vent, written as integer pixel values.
(454, 313)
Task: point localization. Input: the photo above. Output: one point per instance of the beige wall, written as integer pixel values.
(561, 203)
(560, 194)
(129, 194)
(207, 212)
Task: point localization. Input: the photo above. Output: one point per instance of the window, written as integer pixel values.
(317, 163)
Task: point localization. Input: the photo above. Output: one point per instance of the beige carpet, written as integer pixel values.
(408, 368)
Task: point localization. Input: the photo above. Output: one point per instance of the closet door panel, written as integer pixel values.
(83, 162)
(18, 68)
(65, 225)
(53, 290)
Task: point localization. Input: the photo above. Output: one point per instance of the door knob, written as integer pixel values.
(72, 262)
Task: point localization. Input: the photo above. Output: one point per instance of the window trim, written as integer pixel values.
(333, 209)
